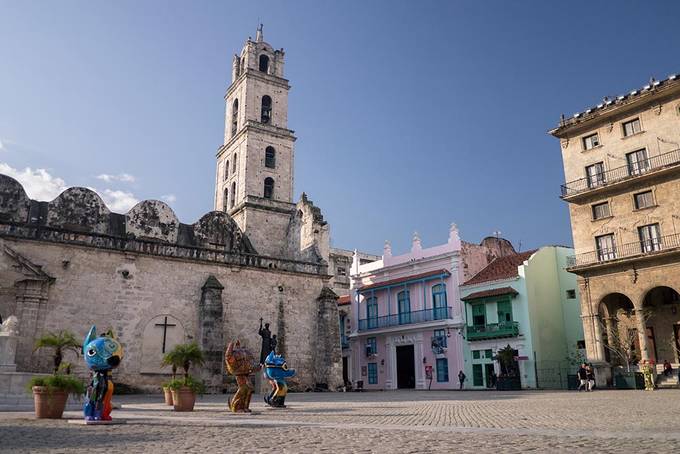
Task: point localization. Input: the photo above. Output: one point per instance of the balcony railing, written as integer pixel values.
(637, 248)
(493, 331)
(622, 173)
(405, 318)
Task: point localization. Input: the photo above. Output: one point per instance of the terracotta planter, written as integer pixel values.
(49, 404)
(183, 399)
(167, 393)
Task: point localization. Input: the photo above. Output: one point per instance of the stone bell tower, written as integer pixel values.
(255, 165)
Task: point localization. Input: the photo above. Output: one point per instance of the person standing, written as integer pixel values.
(461, 379)
(266, 341)
(582, 375)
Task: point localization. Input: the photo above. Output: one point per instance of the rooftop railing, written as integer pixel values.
(622, 173)
(405, 318)
(628, 250)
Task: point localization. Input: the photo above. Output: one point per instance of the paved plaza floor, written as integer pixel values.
(413, 421)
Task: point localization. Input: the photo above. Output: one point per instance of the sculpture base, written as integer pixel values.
(83, 422)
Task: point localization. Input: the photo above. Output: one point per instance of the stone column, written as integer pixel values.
(642, 335)
(599, 341)
(327, 351)
(211, 332)
(609, 326)
(593, 337)
(420, 367)
(391, 355)
(281, 326)
(31, 305)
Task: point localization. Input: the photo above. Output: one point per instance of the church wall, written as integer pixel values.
(126, 291)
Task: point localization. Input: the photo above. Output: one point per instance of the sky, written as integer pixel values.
(409, 115)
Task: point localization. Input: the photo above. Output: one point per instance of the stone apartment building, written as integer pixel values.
(71, 262)
(622, 170)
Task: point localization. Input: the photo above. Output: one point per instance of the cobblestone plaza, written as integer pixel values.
(415, 421)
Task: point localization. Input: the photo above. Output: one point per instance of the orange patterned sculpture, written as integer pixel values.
(240, 363)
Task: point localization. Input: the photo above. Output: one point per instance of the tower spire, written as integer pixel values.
(258, 35)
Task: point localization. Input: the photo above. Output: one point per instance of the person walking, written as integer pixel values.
(582, 375)
(461, 379)
(590, 376)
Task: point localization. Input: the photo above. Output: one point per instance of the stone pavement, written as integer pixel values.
(413, 421)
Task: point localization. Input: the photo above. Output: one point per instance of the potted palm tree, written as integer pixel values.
(184, 389)
(51, 393)
(509, 378)
(167, 392)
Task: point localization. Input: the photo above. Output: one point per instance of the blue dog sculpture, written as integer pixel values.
(276, 370)
(102, 354)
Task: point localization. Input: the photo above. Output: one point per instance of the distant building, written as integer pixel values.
(339, 266)
(622, 168)
(527, 301)
(407, 317)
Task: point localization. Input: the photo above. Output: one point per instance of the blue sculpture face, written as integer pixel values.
(276, 367)
(101, 353)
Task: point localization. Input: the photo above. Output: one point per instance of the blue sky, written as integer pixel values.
(409, 115)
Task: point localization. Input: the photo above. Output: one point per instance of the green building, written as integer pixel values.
(529, 302)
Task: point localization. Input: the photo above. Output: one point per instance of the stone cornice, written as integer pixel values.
(655, 93)
(255, 126)
(254, 74)
(170, 251)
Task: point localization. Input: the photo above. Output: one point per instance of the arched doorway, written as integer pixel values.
(618, 327)
(662, 307)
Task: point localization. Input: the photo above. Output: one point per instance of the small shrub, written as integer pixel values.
(190, 382)
(67, 383)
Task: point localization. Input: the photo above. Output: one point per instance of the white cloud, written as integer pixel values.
(123, 177)
(2, 146)
(38, 183)
(169, 198)
(119, 201)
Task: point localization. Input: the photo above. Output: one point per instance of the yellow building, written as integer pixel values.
(622, 172)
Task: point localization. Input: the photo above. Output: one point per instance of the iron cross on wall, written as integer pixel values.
(165, 326)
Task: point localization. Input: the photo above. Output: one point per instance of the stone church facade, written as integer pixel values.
(71, 262)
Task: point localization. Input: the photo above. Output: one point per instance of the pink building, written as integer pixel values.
(408, 323)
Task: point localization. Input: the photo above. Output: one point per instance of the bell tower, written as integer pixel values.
(255, 165)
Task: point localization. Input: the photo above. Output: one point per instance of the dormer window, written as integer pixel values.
(264, 63)
(266, 112)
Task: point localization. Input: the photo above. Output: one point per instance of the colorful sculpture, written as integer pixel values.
(276, 370)
(102, 354)
(240, 363)
(648, 374)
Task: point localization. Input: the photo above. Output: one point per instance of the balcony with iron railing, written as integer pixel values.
(406, 318)
(640, 248)
(492, 331)
(621, 174)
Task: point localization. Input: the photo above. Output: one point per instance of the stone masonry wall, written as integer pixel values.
(92, 289)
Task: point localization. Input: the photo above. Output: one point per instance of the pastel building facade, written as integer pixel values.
(408, 324)
(530, 302)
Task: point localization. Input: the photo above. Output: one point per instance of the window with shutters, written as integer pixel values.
(644, 200)
(631, 127)
(601, 210)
